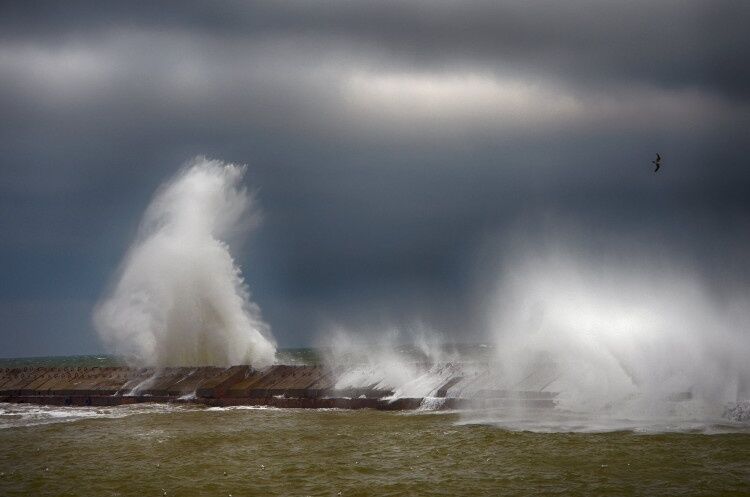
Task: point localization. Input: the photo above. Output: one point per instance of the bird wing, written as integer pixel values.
(658, 157)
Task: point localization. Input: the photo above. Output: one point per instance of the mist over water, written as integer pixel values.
(622, 340)
(619, 341)
(179, 297)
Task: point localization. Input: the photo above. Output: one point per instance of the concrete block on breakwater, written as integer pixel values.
(278, 386)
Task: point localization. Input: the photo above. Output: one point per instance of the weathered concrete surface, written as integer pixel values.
(217, 386)
(278, 386)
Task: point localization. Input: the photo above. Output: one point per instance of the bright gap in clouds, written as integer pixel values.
(456, 97)
(475, 99)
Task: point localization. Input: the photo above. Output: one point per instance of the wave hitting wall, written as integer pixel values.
(179, 297)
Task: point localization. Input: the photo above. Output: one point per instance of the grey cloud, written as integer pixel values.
(376, 199)
(46, 327)
(672, 44)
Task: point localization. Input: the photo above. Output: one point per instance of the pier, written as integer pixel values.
(283, 386)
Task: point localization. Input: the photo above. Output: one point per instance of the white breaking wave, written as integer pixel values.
(179, 298)
(23, 415)
(622, 342)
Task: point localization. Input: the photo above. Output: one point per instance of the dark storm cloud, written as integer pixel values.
(387, 141)
(672, 43)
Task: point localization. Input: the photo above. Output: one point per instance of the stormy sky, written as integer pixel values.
(395, 147)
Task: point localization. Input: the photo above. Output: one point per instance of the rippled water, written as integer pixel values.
(150, 450)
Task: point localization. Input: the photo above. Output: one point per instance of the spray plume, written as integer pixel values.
(619, 338)
(179, 297)
(618, 341)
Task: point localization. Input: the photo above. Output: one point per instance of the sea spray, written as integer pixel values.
(179, 297)
(367, 361)
(398, 363)
(615, 338)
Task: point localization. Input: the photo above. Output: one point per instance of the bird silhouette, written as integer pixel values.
(657, 162)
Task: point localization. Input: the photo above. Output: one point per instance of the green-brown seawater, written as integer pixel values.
(193, 451)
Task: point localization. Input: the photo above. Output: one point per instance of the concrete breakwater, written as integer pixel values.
(278, 386)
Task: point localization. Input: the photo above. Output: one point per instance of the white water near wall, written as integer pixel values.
(623, 341)
(603, 345)
(179, 297)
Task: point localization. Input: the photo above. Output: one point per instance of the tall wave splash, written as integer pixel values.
(179, 297)
(621, 342)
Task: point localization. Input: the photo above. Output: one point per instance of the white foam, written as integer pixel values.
(20, 415)
(180, 298)
(619, 337)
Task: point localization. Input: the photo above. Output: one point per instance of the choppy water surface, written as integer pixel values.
(150, 450)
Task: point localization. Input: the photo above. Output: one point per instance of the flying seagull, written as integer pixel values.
(657, 162)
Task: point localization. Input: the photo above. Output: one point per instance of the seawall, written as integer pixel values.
(278, 386)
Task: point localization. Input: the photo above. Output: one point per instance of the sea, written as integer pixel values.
(192, 450)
